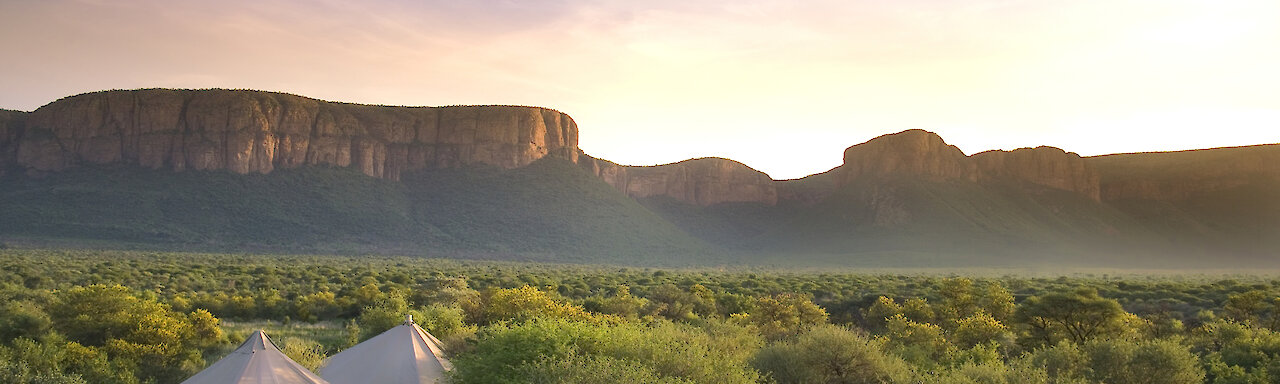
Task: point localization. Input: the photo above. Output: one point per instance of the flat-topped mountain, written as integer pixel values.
(247, 169)
(925, 154)
(257, 132)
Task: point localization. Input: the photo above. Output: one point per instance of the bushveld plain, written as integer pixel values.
(143, 233)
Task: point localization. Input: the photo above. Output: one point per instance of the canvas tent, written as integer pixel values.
(257, 361)
(405, 354)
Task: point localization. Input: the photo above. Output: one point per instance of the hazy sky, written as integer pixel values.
(783, 86)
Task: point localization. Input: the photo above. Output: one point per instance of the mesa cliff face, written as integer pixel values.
(10, 127)
(915, 152)
(1046, 166)
(925, 154)
(908, 191)
(1173, 176)
(252, 131)
(257, 132)
(704, 181)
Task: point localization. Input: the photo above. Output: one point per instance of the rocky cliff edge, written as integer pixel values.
(703, 181)
(925, 154)
(253, 131)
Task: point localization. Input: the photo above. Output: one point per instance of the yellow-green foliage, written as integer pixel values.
(524, 303)
(662, 352)
(112, 335)
(831, 354)
(783, 315)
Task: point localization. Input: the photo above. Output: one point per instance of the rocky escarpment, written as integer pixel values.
(11, 123)
(1173, 176)
(808, 190)
(924, 154)
(704, 181)
(915, 152)
(256, 132)
(1046, 166)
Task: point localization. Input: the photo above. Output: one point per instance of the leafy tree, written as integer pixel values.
(782, 315)
(980, 328)
(305, 352)
(1238, 352)
(591, 370)
(958, 300)
(621, 304)
(1248, 307)
(503, 353)
(443, 322)
(879, 313)
(918, 343)
(387, 313)
(521, 304)
(318, 305)
(20, 373)
(918, 310)
(1076, 316)
(996, 301)
(676, 304)
(1144, 362)
(1065, 362)
(1119, 361)
(23, 319)
(831, 354)
(993, 373)
(164, 345)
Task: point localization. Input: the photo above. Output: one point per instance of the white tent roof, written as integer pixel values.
(257, 361)
(405, 354)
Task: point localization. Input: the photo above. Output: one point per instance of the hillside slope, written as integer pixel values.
(909, 199)
(237, 169)
(549, 210)
(1224, 199)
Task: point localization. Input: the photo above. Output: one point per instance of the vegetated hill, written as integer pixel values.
(549, 210)
(219, 169)
(904, 220)
(1223, 199)
(551, 207)
(908, 199)
(288, 207)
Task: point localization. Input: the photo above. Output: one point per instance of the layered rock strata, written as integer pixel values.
(11, 123)
(1173, 176)
(1046, 166)
(924, 154)
(915, 152)
(256, 132)
(704, 181)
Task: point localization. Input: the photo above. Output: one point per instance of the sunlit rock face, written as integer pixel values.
(256, 132)
(919, 153)
(912, 152)
(1046, 166)
(704, 181)
(1175, 176)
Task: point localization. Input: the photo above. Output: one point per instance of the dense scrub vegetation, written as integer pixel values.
(148, 317)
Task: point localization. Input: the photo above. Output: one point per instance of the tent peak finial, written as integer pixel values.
(408, 319)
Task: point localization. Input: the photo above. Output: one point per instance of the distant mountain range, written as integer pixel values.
(237, 170)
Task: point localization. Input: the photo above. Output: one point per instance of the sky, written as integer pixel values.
(782, 86)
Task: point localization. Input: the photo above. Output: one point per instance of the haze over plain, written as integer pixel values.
(780, 86)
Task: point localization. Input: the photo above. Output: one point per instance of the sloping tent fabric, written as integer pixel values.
(405, 354)
(257, 361)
